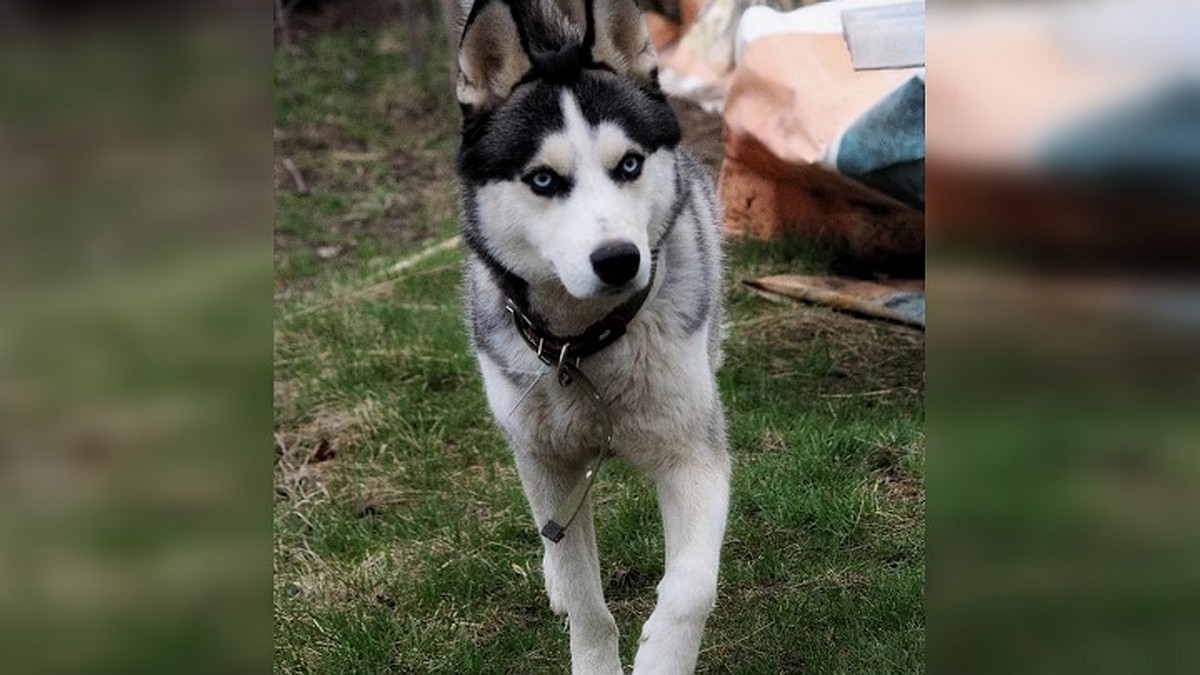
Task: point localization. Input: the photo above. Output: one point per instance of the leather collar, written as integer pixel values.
(554, 350)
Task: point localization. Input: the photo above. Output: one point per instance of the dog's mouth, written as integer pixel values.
(609, 291)
(623, 289)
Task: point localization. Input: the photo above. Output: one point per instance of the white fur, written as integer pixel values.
(553, 238)
(659, 379)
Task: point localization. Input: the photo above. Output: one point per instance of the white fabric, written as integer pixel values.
(824, 17)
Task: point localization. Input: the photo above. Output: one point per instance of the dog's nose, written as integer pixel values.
(616, 263)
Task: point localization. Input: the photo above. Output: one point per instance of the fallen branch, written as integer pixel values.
(361, 292)
(437, 248)
(401, 266)
(297, 178)
(837, 294)
(877, 392)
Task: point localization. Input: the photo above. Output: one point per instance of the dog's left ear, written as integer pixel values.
(616, 36)
(491, 57)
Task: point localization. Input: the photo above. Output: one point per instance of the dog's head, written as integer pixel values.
(566, 161)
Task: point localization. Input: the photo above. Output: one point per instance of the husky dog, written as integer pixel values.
(594, 294)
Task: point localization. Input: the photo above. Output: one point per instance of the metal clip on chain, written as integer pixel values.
(556, 528)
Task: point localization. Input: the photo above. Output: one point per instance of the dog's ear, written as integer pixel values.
(491, 56)
(616, 36)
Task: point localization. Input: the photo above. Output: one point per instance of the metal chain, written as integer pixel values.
(568, 373)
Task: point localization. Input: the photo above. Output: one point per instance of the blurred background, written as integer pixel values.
(135, 337)
(1063, 371)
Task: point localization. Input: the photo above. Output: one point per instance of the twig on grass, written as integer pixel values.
(877, 392)
(281, 21)
(297, 177)
(398, 267)
(366, 291)
(741, 642)
(408, 262)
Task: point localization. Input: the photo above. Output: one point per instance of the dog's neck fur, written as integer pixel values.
(563, 314)
(548, 302)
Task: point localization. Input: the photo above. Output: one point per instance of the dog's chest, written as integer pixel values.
(658, 392)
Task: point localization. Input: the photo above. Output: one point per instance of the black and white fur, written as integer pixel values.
(556, 213)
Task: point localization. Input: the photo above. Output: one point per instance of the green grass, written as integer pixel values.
(403, 542)
(371, 139)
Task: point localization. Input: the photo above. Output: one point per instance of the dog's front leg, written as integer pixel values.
(572, 570)
(694, 499)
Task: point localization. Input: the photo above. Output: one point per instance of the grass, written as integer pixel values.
(403, 542)
(370, 137)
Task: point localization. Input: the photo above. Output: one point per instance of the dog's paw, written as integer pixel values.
(594, 648)
(664, 647)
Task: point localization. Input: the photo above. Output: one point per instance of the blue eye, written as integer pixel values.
(545, 182)
(630, 167)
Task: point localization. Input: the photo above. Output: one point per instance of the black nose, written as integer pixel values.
(616, 263)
